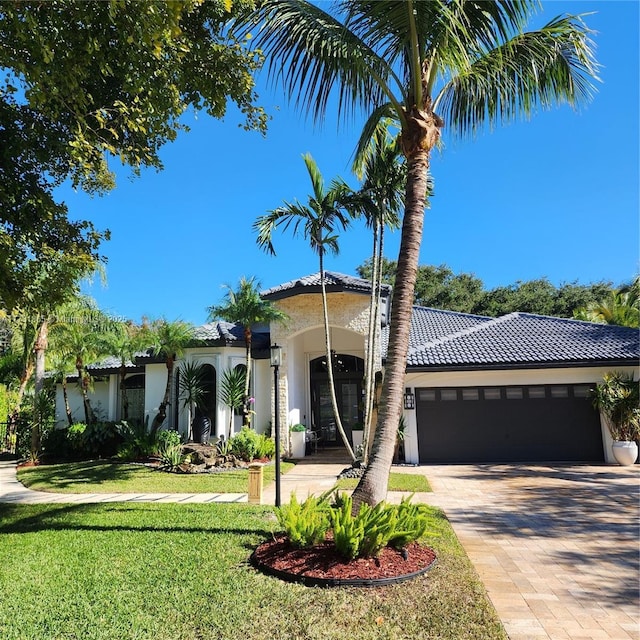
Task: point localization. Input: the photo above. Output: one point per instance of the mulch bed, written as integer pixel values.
(322, 565)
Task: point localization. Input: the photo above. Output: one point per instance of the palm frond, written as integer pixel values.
(314, 54)
(537, 69)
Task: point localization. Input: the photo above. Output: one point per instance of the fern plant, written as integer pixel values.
(305, 524)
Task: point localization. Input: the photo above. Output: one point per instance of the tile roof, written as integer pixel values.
(334, 282)
(522, 339)
(431, 324)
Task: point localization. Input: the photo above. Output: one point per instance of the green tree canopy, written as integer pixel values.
(85, 83)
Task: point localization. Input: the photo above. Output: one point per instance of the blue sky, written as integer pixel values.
(554, 197)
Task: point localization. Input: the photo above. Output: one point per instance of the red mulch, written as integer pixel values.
(324, 562)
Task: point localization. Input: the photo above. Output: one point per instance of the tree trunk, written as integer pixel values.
(83, 381)
(161, 416)
(40, 348)
(65, 395)
(247, 381)
(332, 387)
(12, 426)
(372, 488)
(124, 398)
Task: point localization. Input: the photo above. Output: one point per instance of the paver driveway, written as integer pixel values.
(557, 547)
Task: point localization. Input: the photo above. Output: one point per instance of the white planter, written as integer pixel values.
(356, 436)
(298, 444)
(625, 453)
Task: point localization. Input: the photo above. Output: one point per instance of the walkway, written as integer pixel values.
(557, 547)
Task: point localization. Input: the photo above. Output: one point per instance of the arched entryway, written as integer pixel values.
(207, 408)
(348, 372)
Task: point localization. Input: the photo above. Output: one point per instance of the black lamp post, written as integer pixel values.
(276, 360)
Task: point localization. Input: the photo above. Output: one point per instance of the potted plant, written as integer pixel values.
(298, 440)
(617, 398)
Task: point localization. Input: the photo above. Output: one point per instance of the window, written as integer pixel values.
(514, 393)
(470, 394)
(537, 393)
(582, 390)
(426, 395)
(559, 392)
(492, 393)
(448, 394)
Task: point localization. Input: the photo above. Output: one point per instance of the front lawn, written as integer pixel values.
(116, 477)
(166, 571)
(398, 481)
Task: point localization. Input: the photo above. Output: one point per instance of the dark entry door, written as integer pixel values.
(508, 424)
(348, 383)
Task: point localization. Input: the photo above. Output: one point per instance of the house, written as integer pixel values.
(478, 389)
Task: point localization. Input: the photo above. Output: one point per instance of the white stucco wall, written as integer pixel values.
(101, 399)
(576, 375)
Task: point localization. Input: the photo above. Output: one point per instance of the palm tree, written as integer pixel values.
(168, 339)
(80, 332)
(232, 390)
(467, 62)
(383, 178)
(246, 307)
(620, 307)
(319, 223)
(191, 382)
(124, 341)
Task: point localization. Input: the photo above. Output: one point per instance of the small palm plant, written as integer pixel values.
(617, 397)
(232, 389)
(191, 381)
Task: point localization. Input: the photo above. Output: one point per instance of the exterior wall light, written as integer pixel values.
(409, 399)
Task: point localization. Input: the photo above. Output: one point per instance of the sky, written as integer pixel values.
(555, 197)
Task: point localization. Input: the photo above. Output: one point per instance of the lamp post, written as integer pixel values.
(276, 360)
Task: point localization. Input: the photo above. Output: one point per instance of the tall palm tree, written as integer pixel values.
(319, 222)
(468, 63)
(168, 339)
(383, 176)
(244, 305)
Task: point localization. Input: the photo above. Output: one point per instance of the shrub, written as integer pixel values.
(243, 444)
(266, 447)
(412, 521)
(75, 436)
(305, 524)
(167, 438)
(137, 442)
(298, 427)
(172, 455)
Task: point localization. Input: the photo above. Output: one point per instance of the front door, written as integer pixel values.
(348, 383)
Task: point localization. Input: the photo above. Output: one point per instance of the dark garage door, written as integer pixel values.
(508, 424)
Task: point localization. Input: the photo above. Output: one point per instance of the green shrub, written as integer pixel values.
(172, 455)
(373, 528)
(245, 444)
(137, 442)
(266, 447)
(75, 436)
(298, 428)
(168, 437)
(305, 524)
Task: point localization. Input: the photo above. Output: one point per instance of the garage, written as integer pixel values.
(537, 423)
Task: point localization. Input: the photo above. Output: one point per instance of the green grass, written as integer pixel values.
(166, 571)
(414, 483)
(115, 477)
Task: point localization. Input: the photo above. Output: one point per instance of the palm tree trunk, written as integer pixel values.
(373, 349)
(372, 488)
(83, 381)
(247, 381)
(124, 398)
(65, 395)
(161, 416)
(369, 363)
(332, 387)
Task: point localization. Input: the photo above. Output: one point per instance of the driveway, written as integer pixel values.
(557, 547)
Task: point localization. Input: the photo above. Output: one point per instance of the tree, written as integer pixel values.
(319, 222)
(80, 331)
(124, 341)
(232, 390)
(84, 83)
(469, 64)
(191, 382)
(620, 307)
(244, 305)
(383, 176)
(169, 340)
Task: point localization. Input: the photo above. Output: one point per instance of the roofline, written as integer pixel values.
(564, 364)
